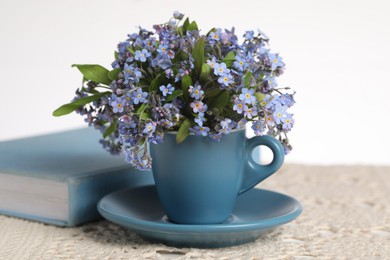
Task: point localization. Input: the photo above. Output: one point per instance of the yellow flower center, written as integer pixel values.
(275, 61)
(247, 95)
(226, 79)
(197, 92)
(119, 105)
(241, 63)
(128, 70)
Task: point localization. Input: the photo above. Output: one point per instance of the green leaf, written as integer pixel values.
(186, 24)
(70, 107)
(116, 55)
(176, 93)
(144, 116)
(110, 129)
(157, 82)
(113, 74)
(192, 26)
(259, 96)
(221, 101)
(94, 72)
(229, 59)
(186, 82)
(247, 79)
(204, 74)
(198, 54)
(213, 92)
(212, 30)
(184, 131)
(141, 108)
(180, 30)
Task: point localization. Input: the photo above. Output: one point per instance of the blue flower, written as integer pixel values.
(162, 60)
(216, 137)
(248, 35)
(200, 130)
(286, 99)
(169, 73)
(241, 123)
(200, 119)
(150, 43)
(258, 127)
(149, 128)
(250, 112)
(117, 104)
(288, 122)
(226, 125)
(139, 96)
(225, 80)
(247, 95)
(196, 92)
(212, 63)
(162, 48)
(279, 114)
(275, 61)
(166, 90)
(214, 36)
(198, 106)
(131, 73)
(221, 69)
(239, 106)
(142, 55)
(239, 63)
(271, 81)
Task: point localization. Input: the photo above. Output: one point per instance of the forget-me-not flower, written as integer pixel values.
(139, 96)
(247, 95)
(141, 55)
(196, 92)
(166, 90)
(225, 80)
(275, 61)
(118, 104)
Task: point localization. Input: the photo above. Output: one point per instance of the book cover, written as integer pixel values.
(59, 178)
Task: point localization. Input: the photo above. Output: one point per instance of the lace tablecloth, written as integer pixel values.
(346, 216)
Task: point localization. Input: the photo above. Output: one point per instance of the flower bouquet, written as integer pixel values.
(178, 79)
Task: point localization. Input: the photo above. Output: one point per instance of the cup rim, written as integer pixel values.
(231, 132)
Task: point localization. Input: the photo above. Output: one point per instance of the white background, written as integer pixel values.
(336, 52)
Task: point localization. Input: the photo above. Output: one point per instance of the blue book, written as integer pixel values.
(59, 178)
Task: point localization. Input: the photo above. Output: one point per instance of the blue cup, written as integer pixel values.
(198, 181)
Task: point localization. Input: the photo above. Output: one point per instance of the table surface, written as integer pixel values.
(346, 216)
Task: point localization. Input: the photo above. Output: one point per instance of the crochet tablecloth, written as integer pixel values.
(346, 216)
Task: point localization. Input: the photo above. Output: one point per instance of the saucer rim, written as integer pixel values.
(153, 226)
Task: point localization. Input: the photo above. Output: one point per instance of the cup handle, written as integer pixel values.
(255, 173)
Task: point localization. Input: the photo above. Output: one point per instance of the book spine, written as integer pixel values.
(86, 190)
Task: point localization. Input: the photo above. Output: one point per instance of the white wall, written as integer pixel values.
(337, 55)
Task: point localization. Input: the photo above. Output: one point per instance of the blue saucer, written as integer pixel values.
(256, 212)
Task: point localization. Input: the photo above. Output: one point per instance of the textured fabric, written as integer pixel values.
(346, 216)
